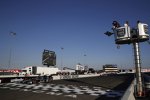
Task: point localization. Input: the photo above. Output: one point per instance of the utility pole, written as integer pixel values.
(125, 35)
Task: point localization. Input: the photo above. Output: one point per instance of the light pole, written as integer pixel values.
(125, 35)
(9, 61)
(13, 34)
(62, 58)
(84, 59)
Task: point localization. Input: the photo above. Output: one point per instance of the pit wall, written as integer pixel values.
(129, 94)
(58, 77)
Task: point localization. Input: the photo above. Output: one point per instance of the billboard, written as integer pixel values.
(49, 58)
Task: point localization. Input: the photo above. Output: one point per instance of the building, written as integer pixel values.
(110, 68)
(79, 67)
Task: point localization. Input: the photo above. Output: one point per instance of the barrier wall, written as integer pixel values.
(129, 94)
(58, 77)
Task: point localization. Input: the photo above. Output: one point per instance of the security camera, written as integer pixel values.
(108, 33)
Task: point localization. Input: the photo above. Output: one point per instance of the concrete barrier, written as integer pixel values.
(129, 94)
(58, 77)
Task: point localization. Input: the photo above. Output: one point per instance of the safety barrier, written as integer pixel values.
(129, 94)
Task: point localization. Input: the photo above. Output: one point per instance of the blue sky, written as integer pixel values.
(75, 25)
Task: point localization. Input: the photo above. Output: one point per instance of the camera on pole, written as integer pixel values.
(127, 35)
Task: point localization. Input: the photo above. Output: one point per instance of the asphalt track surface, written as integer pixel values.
(110, 87)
